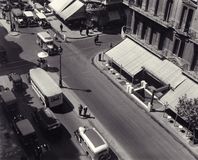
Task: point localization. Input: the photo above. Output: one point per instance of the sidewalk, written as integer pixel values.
(177, 131)
(70, 34)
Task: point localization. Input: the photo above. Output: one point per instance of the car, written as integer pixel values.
(45, 24)
(46, 119)
(9, 103)
(25, 131)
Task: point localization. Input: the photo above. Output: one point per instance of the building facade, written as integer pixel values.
(167, 28)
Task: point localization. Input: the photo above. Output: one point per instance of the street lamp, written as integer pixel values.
(60, 50)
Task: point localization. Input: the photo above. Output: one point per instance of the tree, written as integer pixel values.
(187, 109)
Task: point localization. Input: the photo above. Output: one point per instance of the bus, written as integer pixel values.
(46, 42)
(46, 88)
(93, 143)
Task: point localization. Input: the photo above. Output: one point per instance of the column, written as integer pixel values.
(148, 34)
(157, 40)
(152, 4)
(140, 27)
(133, 22)
(144, 4)
(162, 8)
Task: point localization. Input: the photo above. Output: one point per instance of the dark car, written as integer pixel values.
(45, 24)
(54, 50)
(47, 120)
(28, 7)
(16, 80)
(9, 103)
(25, 132)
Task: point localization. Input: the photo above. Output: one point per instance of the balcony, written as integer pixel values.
(152, 17)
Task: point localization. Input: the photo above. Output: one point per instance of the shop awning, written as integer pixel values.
(70, 10)
(132, 57)
(114, 15)
(59, 5)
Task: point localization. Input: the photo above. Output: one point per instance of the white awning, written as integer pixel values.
(132, 57)
(114, 15)
(28, 13)
(70, 10)
(40, 15)
(59, 5)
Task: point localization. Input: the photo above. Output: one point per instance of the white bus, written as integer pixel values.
(46, 88)
(93, 143)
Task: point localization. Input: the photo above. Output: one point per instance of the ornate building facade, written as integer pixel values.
(167, 28)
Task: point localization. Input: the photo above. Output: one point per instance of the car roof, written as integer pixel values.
(8, 97)
(25, 127)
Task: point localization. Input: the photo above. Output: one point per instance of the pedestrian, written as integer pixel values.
(3, 14)
(14, 27)
(80, 108)
(87, 31)
(61, 27)
(85, 111)
(81, 29)
(64, 38)
(111, 45)
(96, 39)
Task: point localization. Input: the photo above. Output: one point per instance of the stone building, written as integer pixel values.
(167, 28)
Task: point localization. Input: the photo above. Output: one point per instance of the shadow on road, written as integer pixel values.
(113, 155)
(77, 89)
(52, 69)
(64, 108)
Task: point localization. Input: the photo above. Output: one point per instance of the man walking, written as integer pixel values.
(96, 39)
(80, 108)
(85, 111)
(61, 27)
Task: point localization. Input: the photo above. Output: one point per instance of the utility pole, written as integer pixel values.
(60, 50)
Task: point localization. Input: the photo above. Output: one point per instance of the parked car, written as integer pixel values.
(46, 119)
(16, 80)
(9, 103)
(25, 132)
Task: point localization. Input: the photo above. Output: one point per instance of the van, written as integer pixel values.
(93, 143)
(46, 42)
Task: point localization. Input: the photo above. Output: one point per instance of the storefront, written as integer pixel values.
(137, 64)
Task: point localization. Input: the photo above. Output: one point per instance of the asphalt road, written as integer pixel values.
(135, 131)
(137, 134)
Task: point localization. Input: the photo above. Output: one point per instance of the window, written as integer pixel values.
(188, 20)
(156, 7)
(176, 46)
(147, 5)
(182, 18)
(168, 10)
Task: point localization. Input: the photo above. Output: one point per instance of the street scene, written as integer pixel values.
(76, 84)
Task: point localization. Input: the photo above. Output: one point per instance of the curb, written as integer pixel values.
(94, 62)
